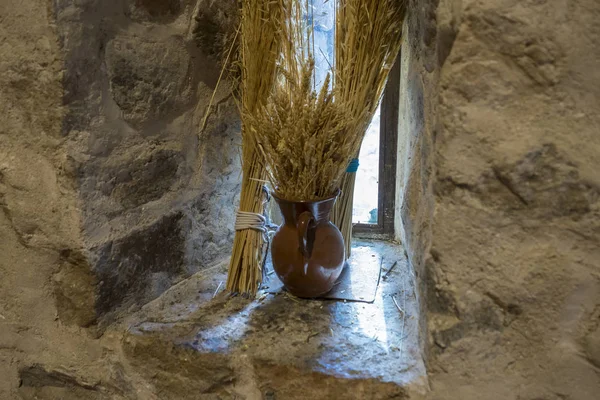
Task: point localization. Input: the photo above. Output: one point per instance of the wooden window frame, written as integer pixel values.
(388, 149)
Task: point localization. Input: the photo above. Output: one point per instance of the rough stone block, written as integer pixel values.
(214, 26)
(145, 178)
(74, 289)
(129, 268)
(160, 11)
(149, 79)
(123, 272)
(545, 181)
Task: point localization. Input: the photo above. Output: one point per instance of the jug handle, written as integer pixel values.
(304, 221)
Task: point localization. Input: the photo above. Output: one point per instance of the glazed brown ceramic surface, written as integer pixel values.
(307, 250)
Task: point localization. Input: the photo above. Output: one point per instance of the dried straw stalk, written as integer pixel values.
(341, 214)
(368, 39)
(259, 50)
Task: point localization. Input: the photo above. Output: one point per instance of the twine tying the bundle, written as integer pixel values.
(258, 222)
(250, 220)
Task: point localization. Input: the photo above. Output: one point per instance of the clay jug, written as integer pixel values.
(307, 249)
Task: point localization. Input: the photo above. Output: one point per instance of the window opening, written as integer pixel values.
(366, 189)
(376, 175)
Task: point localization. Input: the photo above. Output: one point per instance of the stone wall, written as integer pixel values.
(39, 208)
(157, 193)
(417, 125)
(110, 191)
(514, 265)
(499, 194)
(104, 161)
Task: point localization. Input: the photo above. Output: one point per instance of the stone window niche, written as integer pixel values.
(278, 346)
(157, 204)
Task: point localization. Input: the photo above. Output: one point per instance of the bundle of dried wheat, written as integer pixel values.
(303, 136)
(341, 214)
(306, 134)
(259, 51)
(368, 39)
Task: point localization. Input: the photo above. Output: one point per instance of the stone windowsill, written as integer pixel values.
(279, 346)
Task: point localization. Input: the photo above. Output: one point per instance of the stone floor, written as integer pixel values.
(196, 341)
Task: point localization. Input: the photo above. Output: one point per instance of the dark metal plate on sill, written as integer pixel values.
(358, 282)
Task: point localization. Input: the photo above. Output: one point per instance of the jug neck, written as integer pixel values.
(320, 209)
